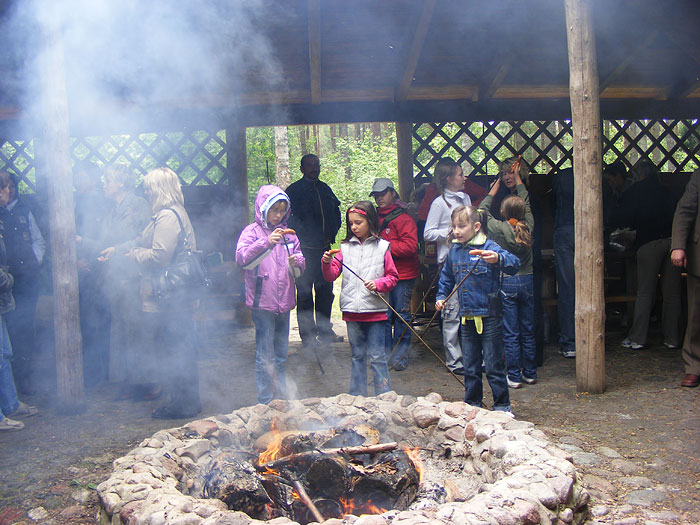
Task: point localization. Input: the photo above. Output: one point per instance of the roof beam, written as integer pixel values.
(683, 88)
(629, 57)
(493, 81)
(314, 9)
(417, 43)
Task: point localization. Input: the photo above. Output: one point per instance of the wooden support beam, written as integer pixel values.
(415, 50)
(682, 89)
(495, 78)
(237, 167)
(404, 151)
(314, 7)
(588, 213)
(56, 158)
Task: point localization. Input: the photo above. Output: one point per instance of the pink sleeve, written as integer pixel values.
(332, 270)
(391, 276)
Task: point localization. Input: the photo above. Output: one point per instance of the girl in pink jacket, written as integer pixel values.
(271, 259)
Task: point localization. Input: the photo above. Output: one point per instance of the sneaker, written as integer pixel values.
(24, 410)
(631, 345)
(567, 353)
(529, 380)
(10, 425)
(671, 346)
(513, 384)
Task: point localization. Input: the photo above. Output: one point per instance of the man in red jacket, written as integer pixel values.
(399, 228)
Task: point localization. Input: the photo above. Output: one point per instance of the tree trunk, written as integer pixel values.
(303, 137)
(282, 157)
(376, 128)
(333, 130)
(68, 341)
(588, 213)
(343, 131)
(404, 150)
(316, 139)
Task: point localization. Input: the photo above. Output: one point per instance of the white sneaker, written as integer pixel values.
(627, 343)
(529, 380)
(513, 384)
(671, 346)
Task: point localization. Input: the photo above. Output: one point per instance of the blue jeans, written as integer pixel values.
(519, 326)
(367, 340)
(272, 345)
(486, 347)
(400, 300)
(8, 392)
(566, 285)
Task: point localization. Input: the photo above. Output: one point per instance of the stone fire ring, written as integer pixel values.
(480, 467)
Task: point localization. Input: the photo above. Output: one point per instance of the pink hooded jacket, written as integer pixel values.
(269, 282)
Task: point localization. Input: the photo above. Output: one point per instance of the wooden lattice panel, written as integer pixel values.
(18, 156)
(547, 146)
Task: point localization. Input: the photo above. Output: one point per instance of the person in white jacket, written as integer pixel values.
(450, 180)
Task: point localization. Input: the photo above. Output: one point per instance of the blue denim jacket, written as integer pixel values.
(484, 280)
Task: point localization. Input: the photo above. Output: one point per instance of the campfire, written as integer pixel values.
(313, 476)
(337, 459)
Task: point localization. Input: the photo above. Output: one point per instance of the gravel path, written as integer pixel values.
(636, 445)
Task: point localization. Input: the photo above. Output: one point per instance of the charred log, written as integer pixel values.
(236, 483)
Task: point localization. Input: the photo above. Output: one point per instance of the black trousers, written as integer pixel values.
(314, 298)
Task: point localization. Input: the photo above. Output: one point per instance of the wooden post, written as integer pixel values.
(588, 213)
(54, 118)
(404, 151)
(237, 168)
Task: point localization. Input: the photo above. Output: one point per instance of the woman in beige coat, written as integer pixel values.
(170, 328)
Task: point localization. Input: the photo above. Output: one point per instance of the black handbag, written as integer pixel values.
(185, 279)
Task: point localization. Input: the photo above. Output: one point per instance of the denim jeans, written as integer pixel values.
(486, 347)
(272, 345)
(566, 285)
(8, 393)
(367, 340)
(519, 326)
(400, 300)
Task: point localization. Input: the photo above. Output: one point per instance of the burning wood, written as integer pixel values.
(315, 483)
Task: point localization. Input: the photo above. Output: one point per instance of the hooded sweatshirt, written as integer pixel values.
(269, 280)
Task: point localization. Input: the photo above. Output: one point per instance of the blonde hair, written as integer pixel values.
(468, 214)
(513, 210)
(163, 189)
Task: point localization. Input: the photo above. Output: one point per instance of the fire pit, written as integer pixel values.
(361, 455)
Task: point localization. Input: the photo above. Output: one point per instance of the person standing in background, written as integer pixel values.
(316, 219)
(685, 253)
(399, 228)
(26, 248)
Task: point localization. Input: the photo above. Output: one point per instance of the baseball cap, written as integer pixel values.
(381, 185)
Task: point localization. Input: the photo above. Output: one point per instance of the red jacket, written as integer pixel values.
(475, 191)
(402, 234)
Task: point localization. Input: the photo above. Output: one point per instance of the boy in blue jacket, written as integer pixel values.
(479, 304)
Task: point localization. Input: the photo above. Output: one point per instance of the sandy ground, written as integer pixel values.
(644, 416)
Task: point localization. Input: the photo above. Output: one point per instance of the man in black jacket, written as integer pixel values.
(316, 219)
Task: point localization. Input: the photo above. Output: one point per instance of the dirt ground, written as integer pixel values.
(640, 439)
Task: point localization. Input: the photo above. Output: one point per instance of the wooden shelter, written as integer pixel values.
(148, 83)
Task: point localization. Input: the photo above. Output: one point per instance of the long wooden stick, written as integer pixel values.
(348, 451)
(307, 501)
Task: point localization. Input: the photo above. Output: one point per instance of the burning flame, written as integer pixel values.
(349, 507)
(414, 455)
(273, 449)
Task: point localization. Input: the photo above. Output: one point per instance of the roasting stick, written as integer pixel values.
(284, 239)
(409, 325)
(307, 501)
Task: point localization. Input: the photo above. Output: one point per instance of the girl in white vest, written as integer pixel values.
(366, 254)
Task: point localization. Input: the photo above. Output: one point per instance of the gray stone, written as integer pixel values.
(637, 481)
(586, 458)
(645, 498)
(608, 452)
(570, 448)
(599, 510)
(425, 416)
(627, 521)
(598, 483)
(625, 509)
(81, 495)
(194, 448)
(625, 466)
(566, 515)
(571, 440)
(663, 515)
